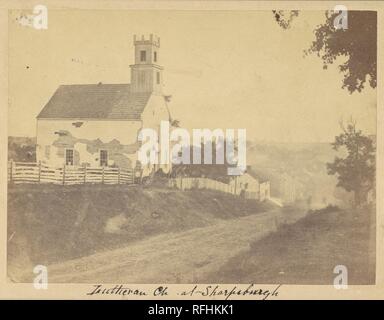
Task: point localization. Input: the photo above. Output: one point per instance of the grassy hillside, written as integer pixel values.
(307, 252)
(48, 223)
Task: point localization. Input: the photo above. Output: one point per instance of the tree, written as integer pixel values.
(355, 172)
(358, 43)
(284, 18)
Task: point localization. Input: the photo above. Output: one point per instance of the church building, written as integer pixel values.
(98, 124)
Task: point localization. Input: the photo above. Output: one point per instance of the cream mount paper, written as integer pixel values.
(85, 214)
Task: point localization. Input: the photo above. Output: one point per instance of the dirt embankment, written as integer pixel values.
(49, 224)
(307, 251)
(176, 257)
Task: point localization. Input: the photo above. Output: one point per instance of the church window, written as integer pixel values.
(158, 77)
(155, 56)
(103, 158)
(143, 55)
(69, 157)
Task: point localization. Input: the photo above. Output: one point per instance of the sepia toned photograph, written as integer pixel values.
(191, 147)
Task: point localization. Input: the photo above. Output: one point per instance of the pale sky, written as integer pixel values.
(233, 69)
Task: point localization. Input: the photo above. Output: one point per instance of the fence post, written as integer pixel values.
(39, 175)
(102, 176)
(118, 176)
(85, 174)
(64, 174)
(11, 171)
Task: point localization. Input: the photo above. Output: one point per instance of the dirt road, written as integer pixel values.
(183, 257)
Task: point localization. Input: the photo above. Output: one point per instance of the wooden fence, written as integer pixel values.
(186, 183)
(32, 172)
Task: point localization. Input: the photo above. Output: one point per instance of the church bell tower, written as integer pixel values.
(146, 73)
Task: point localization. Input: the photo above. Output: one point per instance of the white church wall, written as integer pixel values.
(155, 112)
(122, 133)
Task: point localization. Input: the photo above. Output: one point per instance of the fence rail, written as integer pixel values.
(186, 183)
(32, 172)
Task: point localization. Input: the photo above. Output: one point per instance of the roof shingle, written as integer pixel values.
(95, 101)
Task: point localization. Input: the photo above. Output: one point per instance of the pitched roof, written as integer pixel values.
(95, 101)
(257, 174)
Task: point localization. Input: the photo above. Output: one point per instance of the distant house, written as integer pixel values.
(265, 190)
(213, 170)
(98, 124)
(251, 186)
(290, 189)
